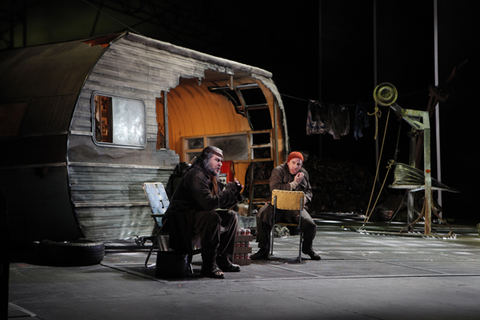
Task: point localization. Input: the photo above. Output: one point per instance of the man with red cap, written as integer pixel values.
(292, 177)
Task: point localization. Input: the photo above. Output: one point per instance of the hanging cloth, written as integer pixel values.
(338, 120)
(316, 118)
(361, 121)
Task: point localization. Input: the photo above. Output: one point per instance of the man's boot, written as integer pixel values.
(261, 254)
(308, 249)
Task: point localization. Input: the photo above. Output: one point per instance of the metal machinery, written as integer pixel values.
(385, 94)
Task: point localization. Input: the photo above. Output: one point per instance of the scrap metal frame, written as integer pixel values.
(412, 117)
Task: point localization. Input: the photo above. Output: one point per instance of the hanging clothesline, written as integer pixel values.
(335, 118)
(308, 100)
(354, 104)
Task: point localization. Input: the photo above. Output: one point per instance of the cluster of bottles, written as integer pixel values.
(244, 232)
(242, 244)
(240, 256)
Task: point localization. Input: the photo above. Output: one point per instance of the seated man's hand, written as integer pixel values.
(239, 185)
(298, 177)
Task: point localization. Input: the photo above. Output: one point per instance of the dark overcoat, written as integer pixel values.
(195, 194)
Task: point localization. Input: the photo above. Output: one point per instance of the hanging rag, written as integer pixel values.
(361, 121)
(316, 118)
(338, 121)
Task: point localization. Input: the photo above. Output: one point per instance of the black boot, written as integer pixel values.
(313, 255)
(226, 265)
(262, 254)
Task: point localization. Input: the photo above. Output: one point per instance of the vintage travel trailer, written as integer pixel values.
(83, 124)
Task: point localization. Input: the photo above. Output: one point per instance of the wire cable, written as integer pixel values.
(116, 20)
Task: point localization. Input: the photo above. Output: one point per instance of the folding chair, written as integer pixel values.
(158, 202)
(287, 200)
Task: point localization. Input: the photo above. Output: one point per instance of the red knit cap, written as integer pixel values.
(293, 155)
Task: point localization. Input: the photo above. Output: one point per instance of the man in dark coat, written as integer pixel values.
(289, 176)
(193, 214)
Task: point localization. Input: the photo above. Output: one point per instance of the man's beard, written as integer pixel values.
(212, 171)
(206, 164)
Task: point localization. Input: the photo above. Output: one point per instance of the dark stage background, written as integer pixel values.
(316, 50)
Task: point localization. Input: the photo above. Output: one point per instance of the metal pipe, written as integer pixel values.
(437, 107)
(428, 174)
(165, 119)
(275, 133)
(375, 71)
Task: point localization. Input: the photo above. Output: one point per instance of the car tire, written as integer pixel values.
(80, 252)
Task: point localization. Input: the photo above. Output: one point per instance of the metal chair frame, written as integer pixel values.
(287, 200)
(158, 201)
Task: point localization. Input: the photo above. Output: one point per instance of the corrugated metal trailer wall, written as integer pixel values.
(106, 181)
(39, 87)
(68, 182)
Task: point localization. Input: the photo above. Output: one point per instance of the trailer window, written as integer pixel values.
(119, 121)
(240, 146)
